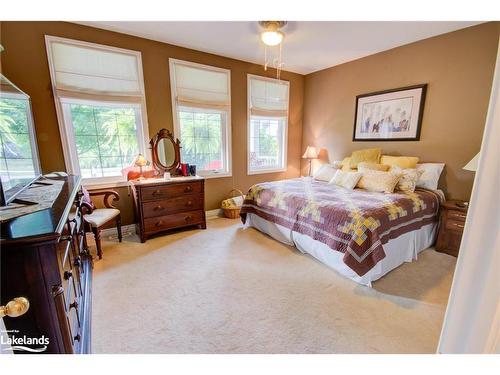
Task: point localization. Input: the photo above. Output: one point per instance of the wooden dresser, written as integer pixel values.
(451, 227)
(161, 204)
(45, 258)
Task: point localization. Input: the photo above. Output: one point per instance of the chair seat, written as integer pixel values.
(101, 216)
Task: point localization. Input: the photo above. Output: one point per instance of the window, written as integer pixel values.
(201, 104)
(18, 158)
(99, 94)
(267, 124)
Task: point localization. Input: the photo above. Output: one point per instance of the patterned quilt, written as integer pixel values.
(354, 222)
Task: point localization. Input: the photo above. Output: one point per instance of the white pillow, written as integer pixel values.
(430, 175)
(325, 172)
(347, 180)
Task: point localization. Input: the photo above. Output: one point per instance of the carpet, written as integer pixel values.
(230, 289)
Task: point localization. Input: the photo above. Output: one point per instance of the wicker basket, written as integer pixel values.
(233, 213)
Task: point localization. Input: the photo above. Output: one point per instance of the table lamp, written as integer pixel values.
(140, 161)
(311, 153)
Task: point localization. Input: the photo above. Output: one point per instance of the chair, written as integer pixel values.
(97, 218)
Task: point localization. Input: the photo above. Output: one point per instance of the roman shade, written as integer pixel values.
(84, 70)
(268, 97)
(196, 86)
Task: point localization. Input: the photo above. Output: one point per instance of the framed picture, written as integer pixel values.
(390, 115)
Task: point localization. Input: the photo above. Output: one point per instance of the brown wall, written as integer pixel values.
(24, 61)
(458, 68)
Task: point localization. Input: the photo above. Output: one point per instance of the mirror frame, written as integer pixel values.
(165, 134)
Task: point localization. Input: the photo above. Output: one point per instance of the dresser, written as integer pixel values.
(45, 259)
(161, 205)
(451, 227)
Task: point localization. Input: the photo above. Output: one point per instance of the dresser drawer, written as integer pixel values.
(171, 191)
(167, 206)
(156, 224)
(456, 215)
(455, 225)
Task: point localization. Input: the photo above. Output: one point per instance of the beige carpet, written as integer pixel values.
(234, 290)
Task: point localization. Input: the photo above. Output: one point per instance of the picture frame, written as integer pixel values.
(390, 115)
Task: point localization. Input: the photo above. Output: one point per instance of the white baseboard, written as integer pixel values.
(213, 214)
(130, 229)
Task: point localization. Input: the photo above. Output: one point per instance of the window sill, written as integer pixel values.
(215, 175)
(96, 185)
(263, 171)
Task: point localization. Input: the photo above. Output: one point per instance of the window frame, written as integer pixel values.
(285, 129)
(226, 141)
(66, 130)
(35, 155)
(74, 161)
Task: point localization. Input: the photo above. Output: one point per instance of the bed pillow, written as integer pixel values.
(404, 162)
(378, 181)
(367, 166)
(346, 164)
(430, 173)
(408, 178)
(347, 180)
(371, 155)
(326, 172)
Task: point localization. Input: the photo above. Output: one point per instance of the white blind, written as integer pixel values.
(93, 70)
(268, 97)
(200, 87)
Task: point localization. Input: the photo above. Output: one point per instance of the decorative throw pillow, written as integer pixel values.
(404, 162)
(325, 172)
(367, 166)
(377, 181)
(368, 155)
(347, 180)
(430, 175)
(346, 164)
(408, 178)
(86, 198)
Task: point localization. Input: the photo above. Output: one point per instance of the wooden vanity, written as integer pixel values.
(161, 205)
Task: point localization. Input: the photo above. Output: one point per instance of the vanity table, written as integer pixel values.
(163, 204)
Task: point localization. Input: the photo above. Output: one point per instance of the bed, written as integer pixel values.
(362, 235)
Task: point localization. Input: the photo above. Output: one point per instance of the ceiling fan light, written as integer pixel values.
(272, 37)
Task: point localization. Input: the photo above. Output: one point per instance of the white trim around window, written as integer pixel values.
(284, 146)
(96, 99)
(205, 108)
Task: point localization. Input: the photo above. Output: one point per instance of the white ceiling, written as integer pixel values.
(308, 46)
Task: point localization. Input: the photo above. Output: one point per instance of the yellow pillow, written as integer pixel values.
(377, 181)
(369, 155)
(404, 162)
(346, 164)
(367, 166)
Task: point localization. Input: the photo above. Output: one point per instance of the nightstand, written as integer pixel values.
(451, 227)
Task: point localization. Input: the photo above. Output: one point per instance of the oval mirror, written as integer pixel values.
(166, 152)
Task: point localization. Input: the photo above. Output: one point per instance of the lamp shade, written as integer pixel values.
(472, 165)
(311, 153)
(140, 161)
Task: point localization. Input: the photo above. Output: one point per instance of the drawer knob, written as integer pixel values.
(158, 208)
(188, 189)
(67, 274)
(189, 203)
(189, 218)
(16, 307)
(159, 223)
(158, 191)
